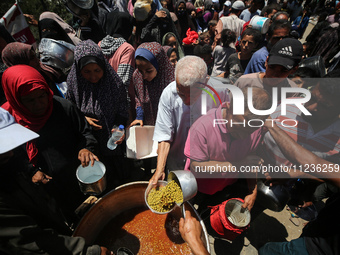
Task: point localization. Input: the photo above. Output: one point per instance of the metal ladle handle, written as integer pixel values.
(183, 210)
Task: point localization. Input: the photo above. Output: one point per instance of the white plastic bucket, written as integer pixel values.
(260, 23)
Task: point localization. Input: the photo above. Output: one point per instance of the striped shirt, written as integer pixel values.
(325, 143)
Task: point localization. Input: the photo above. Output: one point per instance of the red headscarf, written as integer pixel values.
(18, 81)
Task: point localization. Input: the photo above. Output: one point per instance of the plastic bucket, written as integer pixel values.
(229, 219)
(260, 23)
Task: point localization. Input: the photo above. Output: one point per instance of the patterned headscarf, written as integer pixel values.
(168, 50)
(104, 100)
(148, 93)
(17, 53)
(18, 81)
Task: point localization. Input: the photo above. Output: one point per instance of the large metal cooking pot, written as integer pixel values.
(79, 7)
(272, 197)
(116, 202)
(56, 53)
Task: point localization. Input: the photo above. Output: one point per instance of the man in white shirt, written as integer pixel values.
(232, 22)
(179, 106)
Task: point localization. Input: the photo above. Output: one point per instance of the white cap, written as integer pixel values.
(238, 5)
(215, 1)
(12, 134)
(227, 3)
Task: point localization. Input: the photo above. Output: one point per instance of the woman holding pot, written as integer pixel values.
(64, 133)
(99, 93)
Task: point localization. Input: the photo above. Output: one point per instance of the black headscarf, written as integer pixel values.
(53, 31)
(119, 23)
(184, 21)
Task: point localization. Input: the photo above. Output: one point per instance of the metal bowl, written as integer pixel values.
(147, 191)
(92, 179)
(272, 197)
(55, 53)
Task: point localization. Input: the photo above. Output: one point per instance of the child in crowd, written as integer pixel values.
(222, 52)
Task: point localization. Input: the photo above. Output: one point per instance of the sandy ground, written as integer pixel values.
(267, 227)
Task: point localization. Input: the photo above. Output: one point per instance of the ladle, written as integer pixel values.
(187, 183)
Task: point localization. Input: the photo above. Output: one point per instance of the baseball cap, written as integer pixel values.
(12, 134)
(286, 52)
(238, 5)
(227, 3)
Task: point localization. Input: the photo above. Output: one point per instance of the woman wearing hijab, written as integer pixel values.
(184, 21)
(171, 54)
(118, 52)
(169, 39)
(64, 133)
(154, 72)
(17, 53)
(119, 23)
(99, 93)
(53, 27)
(210, 12)
(160, 24)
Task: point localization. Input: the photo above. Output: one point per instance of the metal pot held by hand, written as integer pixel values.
(92, 179)
(273, 197)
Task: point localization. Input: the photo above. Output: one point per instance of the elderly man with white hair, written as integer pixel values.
(179, 106)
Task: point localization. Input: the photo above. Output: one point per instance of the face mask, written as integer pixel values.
(181, 12)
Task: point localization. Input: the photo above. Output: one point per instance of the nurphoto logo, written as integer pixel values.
(238, 104)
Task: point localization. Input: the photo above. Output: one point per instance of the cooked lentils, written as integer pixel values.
(163, 199)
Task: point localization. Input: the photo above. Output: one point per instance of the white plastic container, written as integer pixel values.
(260, 23)
(139, 143)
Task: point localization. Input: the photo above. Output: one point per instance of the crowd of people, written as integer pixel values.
(147, 62)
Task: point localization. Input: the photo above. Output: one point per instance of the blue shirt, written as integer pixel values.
(246, 15)
(257, 61)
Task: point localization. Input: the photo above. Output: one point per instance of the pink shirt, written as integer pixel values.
(207, 143)
(125, 54)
